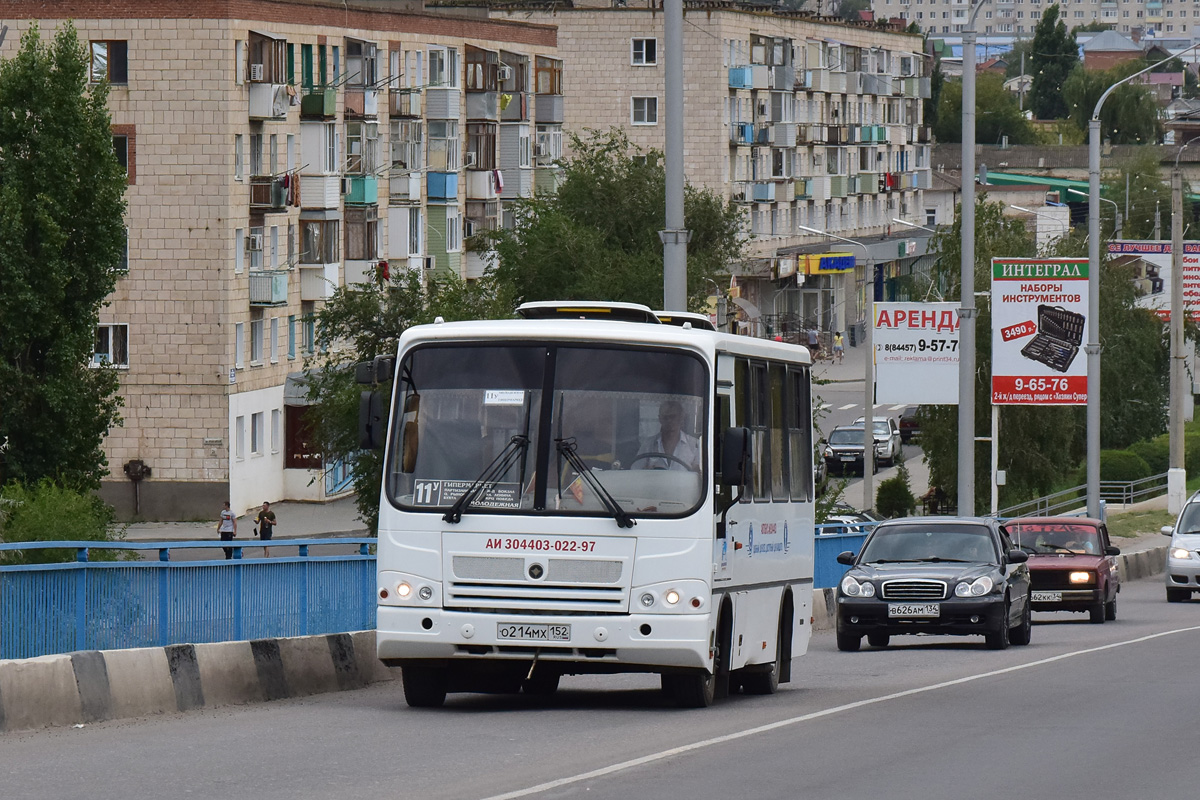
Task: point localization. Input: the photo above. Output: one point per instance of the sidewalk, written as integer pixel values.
(851, 369)
(295, 521)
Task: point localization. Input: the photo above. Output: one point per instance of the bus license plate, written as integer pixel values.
(540, 632)
(1046, 597)
(914, 610)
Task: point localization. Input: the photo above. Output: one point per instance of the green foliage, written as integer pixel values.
(996, 113)
(62, 235)
(1155, 452)
(1021, 47)
(937, 80)
(360, 322)
(1122, 465)
(597, 237)
(1060, 132)
(1149, 195)
(1129, 115)
(1095, 26)
(894, 497)
(1191, 455)
(46, 512)
(1052, 55)
(848, 9)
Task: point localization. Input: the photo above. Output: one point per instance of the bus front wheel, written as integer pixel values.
(695, 689)
(424, 687)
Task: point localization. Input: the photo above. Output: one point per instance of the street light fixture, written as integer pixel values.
(869, 371)
(1119, 220)
(1093, 346)
(912, 225)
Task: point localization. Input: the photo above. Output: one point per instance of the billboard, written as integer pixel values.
(1039, 326)
(1152, 270)
(916, 353)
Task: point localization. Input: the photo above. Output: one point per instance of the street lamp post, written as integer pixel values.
(966, 313)
(1093, 346)
(1118, 220)
(869, 371)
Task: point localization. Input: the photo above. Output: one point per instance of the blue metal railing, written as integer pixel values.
(106, 605)
(89, 605)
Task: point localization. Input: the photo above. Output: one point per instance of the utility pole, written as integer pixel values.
(1176, 474)
(675, 237)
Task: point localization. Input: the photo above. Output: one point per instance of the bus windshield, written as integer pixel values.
(622, 432)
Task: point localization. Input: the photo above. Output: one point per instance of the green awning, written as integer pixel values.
(1062, 184)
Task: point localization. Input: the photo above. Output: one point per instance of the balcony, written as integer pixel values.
(546, 180)
(741, 193)
(924, 135)
(515, 108)
(320, 191)
(404, 103)
(318, 281)
(835, 135)
(839, 185)
(783, 134)
(741, 133)
(763, 192)
(405, 187)
(782, 78)
(269, 288)
(319, 103)
(868, 183)
(361, 190)
(803, 189)
(269, 101)
(442, 103)
(481, 185)
(441, 186)
(267, 194)
(548, 108)
(483, 105)
(741, 77)
(362, 102)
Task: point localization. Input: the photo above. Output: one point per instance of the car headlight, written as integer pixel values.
(852, 588)
(828, 452)
(1181, 552)
(1082, 577)
(975, 588)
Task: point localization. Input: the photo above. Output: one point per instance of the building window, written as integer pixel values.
(453, 231)
(443, 145)
(308, 318)
(123, 264)
(549, 144)
(416, 226)
(256, 342)
(112, 345)
(481, 145)
(256, 154)
(254, 249)
(109, 62)
(318, 241)
(524, 149)
(274, 351)
(239, 157)
(931, 216)
(256, 434)
(300, 446)
(362, 147)
(407, 145)
(239, 250)
(239, 344)
(275, 429)
(644, 52)
(239, 438)
(644, 110)
(362, 233)
(291, 332)
(443, 67)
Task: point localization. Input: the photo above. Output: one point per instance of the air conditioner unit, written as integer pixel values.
(254, 241)
(430, 262)
(470, 159)
(256, 72)
(504, 73)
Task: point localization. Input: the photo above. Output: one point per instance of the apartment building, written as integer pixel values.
(1018, 18)
(278, 149)
(805, 124)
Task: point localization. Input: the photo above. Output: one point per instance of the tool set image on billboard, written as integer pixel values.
(1059, 335)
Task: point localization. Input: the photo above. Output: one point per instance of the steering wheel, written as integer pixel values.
(678, 461)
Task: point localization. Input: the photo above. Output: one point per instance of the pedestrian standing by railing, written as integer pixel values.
(266, 527)
(227, 528)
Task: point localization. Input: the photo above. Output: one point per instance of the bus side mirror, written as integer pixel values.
(372, 420)
(735, 453)
(380, 370)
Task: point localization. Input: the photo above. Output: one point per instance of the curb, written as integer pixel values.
(1131, 566)
(95, 685)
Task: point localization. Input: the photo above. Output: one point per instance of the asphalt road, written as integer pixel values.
(1085, 711)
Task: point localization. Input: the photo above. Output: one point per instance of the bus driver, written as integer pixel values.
(670, 440)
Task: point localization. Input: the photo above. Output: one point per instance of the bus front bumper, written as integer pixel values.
(673, 641)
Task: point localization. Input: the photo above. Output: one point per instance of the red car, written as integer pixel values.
(1072, 564)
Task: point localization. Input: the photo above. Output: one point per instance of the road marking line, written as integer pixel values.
(784, 723)
(897, 408)
(848, 407)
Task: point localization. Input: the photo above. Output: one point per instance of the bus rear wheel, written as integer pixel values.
(424, 687)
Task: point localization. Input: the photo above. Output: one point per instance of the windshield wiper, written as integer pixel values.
(934, 559)
(515, 448)
(566, 449)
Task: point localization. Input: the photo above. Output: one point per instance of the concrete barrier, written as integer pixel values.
(93, 686)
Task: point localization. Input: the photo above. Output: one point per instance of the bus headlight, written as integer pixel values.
(672, 597)
(403, 590)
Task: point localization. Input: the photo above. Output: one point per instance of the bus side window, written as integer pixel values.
(760, 419)
(721, 422)
(741, 415)
(799, 434)
(779, 460)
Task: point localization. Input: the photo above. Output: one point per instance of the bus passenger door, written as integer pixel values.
(722, 495)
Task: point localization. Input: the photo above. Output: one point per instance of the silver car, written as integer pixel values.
(1183, 556)
(887, 438)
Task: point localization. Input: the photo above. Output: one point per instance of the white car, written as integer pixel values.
(1183, 556)
(887, 438)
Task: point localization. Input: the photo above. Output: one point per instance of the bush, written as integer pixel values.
(1122, 465)
(1156, 453)
(46, 512)
(1191, 454)
(895, 498)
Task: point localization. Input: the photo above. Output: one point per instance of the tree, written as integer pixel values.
(362, 321)
(1053, 55)
(61, 238)
(848, 9)
(597, 237)
(1021, 47)
(1130, 114)
(996, 113)
(937, 79)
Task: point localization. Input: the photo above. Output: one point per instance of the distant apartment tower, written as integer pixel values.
(803, 124)
(276, 150)
(1018, 18)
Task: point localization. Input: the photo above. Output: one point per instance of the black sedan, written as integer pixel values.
(949, 575)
